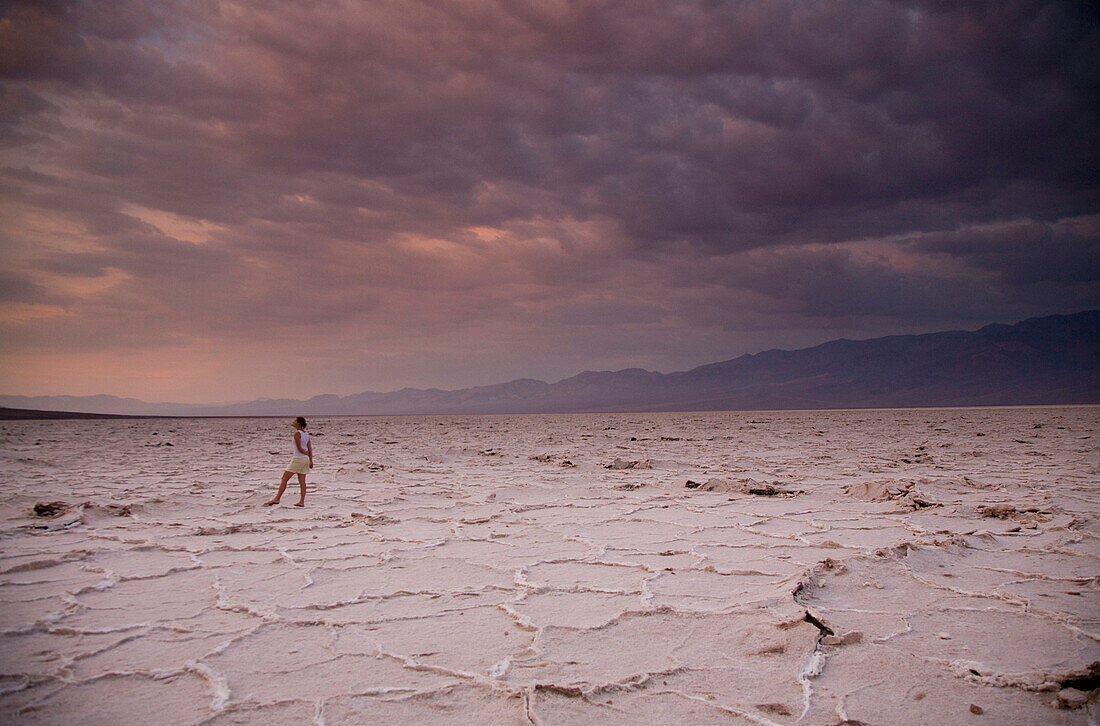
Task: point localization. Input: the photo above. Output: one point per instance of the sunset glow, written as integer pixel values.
(220, 201)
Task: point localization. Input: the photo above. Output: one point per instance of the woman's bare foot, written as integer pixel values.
(273, 501)
(299, 504)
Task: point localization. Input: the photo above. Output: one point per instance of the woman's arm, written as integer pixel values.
(309, 445)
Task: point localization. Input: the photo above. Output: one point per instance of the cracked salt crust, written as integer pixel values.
(451, 570)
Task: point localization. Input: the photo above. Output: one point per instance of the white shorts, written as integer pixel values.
(298, 465)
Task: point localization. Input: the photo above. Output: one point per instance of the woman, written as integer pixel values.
(300, 463)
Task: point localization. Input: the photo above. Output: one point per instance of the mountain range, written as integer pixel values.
(1049, 360)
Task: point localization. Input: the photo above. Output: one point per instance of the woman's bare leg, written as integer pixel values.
(302, 481)
(282, 488)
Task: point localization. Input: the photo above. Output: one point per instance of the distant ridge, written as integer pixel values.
(1050, 360)
(11, 414)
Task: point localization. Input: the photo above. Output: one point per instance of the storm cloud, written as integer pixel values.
(206, 200)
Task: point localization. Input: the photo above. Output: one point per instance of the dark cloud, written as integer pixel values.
(571, 184)
(1023, 253)
(15, 288)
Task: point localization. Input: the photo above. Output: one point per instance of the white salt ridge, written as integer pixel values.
(457, 573)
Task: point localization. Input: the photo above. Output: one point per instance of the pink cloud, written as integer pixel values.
(202, 199)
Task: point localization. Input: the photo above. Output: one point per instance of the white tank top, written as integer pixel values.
(305, 444)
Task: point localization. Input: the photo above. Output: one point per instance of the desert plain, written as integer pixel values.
(919, 566)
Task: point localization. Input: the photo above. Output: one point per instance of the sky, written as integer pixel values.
(205, 201)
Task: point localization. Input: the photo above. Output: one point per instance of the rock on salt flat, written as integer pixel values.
(885, 567)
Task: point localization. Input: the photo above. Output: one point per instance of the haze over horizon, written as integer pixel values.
(215, 201)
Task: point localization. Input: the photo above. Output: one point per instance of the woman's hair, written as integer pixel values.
(301, 421)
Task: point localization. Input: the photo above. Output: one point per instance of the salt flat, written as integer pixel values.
(892, 567)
